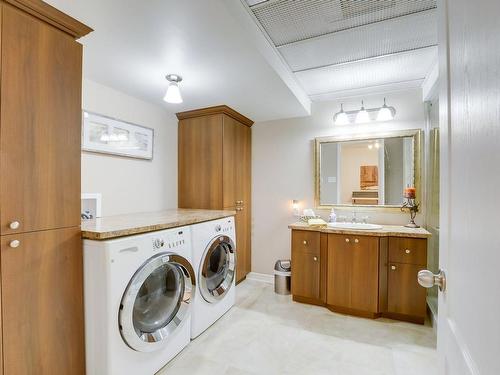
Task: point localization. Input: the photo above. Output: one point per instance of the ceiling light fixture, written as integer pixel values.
(341, 118)
(385, 113)
(173, 94)
(363, 115)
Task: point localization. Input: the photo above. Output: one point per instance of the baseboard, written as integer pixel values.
(261, 277)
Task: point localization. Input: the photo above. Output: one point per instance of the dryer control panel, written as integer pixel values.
(225, 227)
(170, 240)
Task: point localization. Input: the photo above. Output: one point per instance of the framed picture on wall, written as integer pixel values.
(107, 135)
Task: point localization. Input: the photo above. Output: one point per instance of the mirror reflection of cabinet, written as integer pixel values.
(369, 170)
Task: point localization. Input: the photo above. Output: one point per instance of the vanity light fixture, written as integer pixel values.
(386, 113)
(362, 115)
(173, 94)
(341, 118)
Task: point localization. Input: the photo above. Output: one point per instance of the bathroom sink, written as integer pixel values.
(354, 226)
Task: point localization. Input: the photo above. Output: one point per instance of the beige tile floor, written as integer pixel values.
(269, 334)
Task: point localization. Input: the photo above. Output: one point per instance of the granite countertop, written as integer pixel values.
(386, 231)
(104, 228)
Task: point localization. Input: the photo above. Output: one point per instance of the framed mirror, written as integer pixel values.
(369, 170)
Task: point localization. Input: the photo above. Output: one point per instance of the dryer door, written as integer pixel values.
(217, 269)
(156, 302)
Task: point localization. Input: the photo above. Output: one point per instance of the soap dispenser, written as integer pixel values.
(333, 216)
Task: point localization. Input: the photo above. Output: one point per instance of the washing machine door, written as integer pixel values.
(217, 269)
(156, 302)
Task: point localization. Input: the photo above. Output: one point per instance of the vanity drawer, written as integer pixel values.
(408, 250)
(304, 241)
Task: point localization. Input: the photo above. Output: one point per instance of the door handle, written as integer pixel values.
(427, 279)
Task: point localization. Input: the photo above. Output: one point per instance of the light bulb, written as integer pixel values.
(362, 115)
(385, 113)
(341, 118)
(173, 94)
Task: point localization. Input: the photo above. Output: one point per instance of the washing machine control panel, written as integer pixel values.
(225, 227)
(169, 242)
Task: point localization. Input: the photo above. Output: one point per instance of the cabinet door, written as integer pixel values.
(200, 162)
(242, 244)
(40, 125)
(306, 275)
(42, 303)
(338, 290)
(405, 295)
(364, 274)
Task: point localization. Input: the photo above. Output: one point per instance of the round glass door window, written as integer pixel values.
(156, 302)
(218, 268)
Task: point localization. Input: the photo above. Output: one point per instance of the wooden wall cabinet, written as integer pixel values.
(362, 275)
(215, 169)
(42, 322)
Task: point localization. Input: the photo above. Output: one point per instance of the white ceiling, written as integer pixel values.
(338, 47)
(135, 44)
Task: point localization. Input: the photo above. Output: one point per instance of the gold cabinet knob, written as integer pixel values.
(305, 242)
(356, 240)
(239, 202)
(393, 268)
(14, 243)
(14, 225)
(347, 240)
(407, 251)
(315, 259)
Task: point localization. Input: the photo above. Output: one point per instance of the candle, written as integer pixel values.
(410, 193)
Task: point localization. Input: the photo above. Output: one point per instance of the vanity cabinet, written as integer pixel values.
(353, 273)
(214, 149)
(405, 297)
(360, 274)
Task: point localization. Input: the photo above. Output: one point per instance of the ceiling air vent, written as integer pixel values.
(358, 8)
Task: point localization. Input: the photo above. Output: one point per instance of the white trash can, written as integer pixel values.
(282, 277)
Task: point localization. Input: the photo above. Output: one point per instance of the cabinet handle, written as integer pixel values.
(393, 268)
(356, 240)
(14, 243)
(239, 208)
(305, 242)
(347, 240)
(315, 259)
(407, 251)
(239, 202)
(14, 225)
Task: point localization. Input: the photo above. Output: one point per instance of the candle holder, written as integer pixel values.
(412, 206)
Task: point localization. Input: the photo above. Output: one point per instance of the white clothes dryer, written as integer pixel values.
(138, 294)
(214, 258)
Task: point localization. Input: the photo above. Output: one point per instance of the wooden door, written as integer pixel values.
(306, 271)
(339, 273)
(40, 132)
(200, 162)
(405, 296)
(42, 303)
(364, 275)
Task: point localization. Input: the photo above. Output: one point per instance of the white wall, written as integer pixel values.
(282, 162)
(131, 185)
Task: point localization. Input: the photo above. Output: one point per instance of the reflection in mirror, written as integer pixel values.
(365, 172)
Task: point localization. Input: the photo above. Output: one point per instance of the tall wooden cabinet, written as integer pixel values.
(40, 248)
(215, 169)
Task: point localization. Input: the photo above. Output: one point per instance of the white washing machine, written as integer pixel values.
(214, 259)
(138, 295)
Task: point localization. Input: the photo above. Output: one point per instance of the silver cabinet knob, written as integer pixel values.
(427, 279)
(14, 243)
(347, 240)
(315, 259)
(356, 240)
(14, 225)
(407, 251)
(393, 268)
